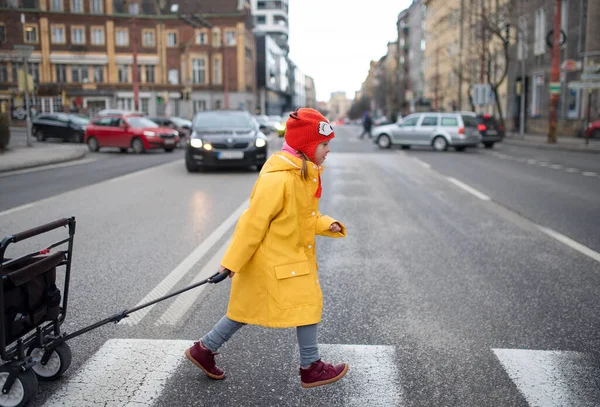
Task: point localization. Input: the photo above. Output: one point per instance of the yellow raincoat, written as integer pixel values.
(272, 250)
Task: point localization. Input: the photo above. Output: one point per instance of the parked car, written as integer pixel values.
(593, 130)
(490, 130)
(68, 127)
(438, 130)
(129, 131)
(182, 126)
(225, 138)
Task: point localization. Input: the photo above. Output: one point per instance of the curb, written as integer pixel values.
(78, 155)
(558, 146)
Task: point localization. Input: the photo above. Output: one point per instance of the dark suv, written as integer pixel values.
(68, 127)
(491, 131)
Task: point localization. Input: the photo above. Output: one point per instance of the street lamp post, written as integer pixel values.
(133, 10)
(25, 51)
(555, 77)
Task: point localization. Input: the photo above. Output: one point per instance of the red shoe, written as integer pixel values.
(319, 373)
(205, 360)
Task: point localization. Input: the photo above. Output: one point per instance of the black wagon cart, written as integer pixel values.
(33, 308)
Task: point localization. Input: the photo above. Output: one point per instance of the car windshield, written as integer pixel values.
(223, 121)
(140, 122)
(469, 120)
(79, 120)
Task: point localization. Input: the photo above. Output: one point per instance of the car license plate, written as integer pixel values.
(492, 132)
(169, 142)
(230, 155)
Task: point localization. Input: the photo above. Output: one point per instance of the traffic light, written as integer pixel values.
(159, 99)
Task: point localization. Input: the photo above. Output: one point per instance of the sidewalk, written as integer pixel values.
(18, 156)
(563, 143)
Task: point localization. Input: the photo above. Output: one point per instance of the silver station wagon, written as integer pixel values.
(438, 130)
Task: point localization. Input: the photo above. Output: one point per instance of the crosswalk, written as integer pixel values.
(134, 373)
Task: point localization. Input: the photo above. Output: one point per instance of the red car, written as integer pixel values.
(129, 131)
(593, 130)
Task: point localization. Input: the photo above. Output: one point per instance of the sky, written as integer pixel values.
(333, 41)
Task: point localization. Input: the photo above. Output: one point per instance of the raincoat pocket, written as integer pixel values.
(296, 285)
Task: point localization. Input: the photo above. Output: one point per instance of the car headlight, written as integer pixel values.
(280, 126)
(149, 134)
(260, 142)
(196, 143)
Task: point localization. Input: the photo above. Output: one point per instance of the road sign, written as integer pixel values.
(570, 65)
(483, 94)
(554, 88)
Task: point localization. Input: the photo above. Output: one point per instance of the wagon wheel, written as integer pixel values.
(23, 389)
(59, 361)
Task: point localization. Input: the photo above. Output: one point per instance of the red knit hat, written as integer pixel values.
(307, 128)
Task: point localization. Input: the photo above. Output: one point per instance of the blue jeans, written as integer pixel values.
(225, 328)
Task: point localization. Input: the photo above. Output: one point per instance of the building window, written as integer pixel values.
(125, 103)
(123, 73)
(76, 6)
(56, 5)
(57, 35)
(78, 35)
(79, 73)
(199, 71)
(144, 104)
(201, 38)
(98, 35)
(217, 71)
(30, 33)
(122, 37)
(61, 73)
(99, 74)
(536, 100)
(172, 39)
(148, 38)
(217, 104)
(150, 74)
(216, 37)
(261, 19)
(97, 6)
(540, 32)
(3, 73)
(230, 37)
(173, 77)
(2, 33)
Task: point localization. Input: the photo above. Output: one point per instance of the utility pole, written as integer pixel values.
(225, 73)
(555, 76)
(460, 60)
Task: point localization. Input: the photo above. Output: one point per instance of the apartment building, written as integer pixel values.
(82, 55)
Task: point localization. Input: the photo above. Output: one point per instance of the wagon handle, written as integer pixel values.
(38, 230)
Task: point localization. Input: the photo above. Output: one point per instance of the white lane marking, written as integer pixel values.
(552, 378)
(373, 378)
(556, 166)
(185, 301)
(48, 167)
(589, 174)
(543, 164)
(29, 205)
(469, 189)
(572, 170)
(423, 163)
(123, 372)
(571, 243)
(181, 270)
(530, 161)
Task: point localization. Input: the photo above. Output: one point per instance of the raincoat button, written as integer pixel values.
(317, 281)
(315, 167)
(314, 180)
(310, 246)
(313, 214)
(293, 273)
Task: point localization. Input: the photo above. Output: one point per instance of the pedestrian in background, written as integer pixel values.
(367, 122)
(272, 256)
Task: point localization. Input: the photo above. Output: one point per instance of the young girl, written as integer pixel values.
(272, 257)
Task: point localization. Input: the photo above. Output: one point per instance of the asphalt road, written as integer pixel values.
(437, 297)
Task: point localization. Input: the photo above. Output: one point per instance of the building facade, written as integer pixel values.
(82, 56)
(271, 17)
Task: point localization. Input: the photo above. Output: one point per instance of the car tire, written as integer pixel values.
(488, 145)
(39, 134)
(169, 150)
(439, 144)
(259, 167)
(93, 144)
(190, 165)
(77, 137)
(137, 145)
(384, 141)
(123, 149)
(405, 147)
(460, 148)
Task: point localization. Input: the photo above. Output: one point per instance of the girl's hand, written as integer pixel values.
(231, 273)
(335, 227)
